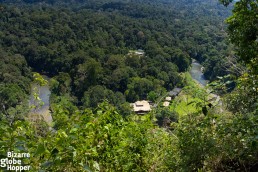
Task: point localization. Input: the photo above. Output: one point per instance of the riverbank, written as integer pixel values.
(189, 99)
(196, 95)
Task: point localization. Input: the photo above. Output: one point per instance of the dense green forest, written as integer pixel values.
(88, 49)
(87, 45)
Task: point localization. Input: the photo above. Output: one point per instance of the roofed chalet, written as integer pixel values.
(141, 107)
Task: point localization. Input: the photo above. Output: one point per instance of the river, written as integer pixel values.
(196, 73)
(44, 95)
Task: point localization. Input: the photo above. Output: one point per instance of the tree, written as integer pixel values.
(152, 96)
(243, 30)
(10, 96)
(119, 78)
(94, 96)
(88, 74)
(182, 61)
(61, 84)
(133, 61)
(138, 88)
(114, 62)
(243, 33)
(97, 94)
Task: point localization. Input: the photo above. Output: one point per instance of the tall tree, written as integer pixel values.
(243, 30)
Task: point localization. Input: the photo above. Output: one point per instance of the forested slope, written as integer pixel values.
(88, 44)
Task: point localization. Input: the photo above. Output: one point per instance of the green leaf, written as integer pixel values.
(96, 166)
(73, 130)
(40, 150)
(21, 138)
(228, 82)
(87, 168)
